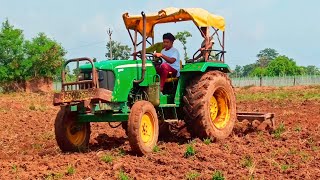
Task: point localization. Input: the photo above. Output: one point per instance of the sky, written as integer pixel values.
(290, 26)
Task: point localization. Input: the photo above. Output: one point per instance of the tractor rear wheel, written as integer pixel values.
(143, 127)
(71, 136)
(210, 106)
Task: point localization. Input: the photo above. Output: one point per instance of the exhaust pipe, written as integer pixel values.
(144, 20)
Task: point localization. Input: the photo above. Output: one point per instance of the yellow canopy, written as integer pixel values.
(200, 17)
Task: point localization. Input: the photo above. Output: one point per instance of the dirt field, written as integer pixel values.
(28, 149)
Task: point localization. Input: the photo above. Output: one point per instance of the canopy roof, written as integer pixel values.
(200, 17)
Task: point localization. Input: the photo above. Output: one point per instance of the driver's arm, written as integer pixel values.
(168, 59)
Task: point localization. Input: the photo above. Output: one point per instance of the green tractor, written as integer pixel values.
(127, 91)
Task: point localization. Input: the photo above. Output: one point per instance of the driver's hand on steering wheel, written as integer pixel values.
(158, 55)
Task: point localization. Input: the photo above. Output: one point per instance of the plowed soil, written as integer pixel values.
(28, 149)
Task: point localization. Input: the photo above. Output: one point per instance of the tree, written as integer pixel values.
(182, 37)
(119, 51)
(265, 56)
(44, 57)
(248, 69)
(11, 53)
(22, 61)
(238, 71)
(259, 71)
(313, 70)
(281, 66)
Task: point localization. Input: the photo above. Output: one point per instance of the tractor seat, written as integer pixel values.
(173, 79)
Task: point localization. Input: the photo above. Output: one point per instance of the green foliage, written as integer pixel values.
(247, 161)
(282, 66)
(107, 158)
(119, 51)
(270, 63)
(70, 170)
(192, 175)
(265, 56)
(121, 152)
(156, 148)
(21, 59)
(248, 69)
(53, 176)
(190, 151)
(11, 53)
(218, 175)
(279, 131)
(259, 71)
(14, 168)
(44, 57)
(123, 176)
(182, 37)
(207, 141)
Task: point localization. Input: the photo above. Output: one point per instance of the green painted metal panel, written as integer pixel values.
(125, 71)
(203, 66)
(103, 117)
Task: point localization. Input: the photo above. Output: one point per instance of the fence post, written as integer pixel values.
(260, 81)
(294, 80)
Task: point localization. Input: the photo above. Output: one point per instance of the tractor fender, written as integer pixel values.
(205, 66)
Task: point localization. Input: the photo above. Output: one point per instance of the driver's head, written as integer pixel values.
(168, 40)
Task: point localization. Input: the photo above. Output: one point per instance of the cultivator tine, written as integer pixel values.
(259, 121)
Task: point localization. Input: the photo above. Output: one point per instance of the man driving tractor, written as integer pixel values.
(171, 58)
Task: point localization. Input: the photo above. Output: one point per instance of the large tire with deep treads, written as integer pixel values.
(71, 136)
(143, 127)
(210, 106)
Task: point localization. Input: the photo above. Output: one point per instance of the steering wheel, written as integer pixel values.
(196, 53)
(150, 57)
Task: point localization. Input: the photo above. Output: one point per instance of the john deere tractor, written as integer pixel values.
(128, 91)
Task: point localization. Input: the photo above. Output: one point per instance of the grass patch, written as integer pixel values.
(156, 149)
(192, 175)
(279, 131)
(298, 128)
(70, 170)
(218, 175)
(122, 152)
(311, 93)
(53, 176)
(107, 158)
(285, 167)
(247, 161)
(207, 141)
(37, 146)
(123, 176)
(190, 150)
(14, 168)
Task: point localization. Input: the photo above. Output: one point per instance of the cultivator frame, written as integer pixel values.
(81, 90)
(258, 120)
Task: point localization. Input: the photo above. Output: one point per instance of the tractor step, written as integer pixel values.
(167, 105)
(260, 121)
(171, 120)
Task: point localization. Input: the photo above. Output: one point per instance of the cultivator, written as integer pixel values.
(255, 120)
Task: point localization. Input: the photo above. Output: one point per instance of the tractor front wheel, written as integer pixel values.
(143, 127)
(71, 135)
(210, 106)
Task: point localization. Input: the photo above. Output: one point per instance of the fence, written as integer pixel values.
(276, 81)
(257, 81)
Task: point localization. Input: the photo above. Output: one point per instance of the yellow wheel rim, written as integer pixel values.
(76, 134)
(147, 129)
(220, 108)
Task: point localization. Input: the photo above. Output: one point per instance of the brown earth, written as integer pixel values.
(28, 148)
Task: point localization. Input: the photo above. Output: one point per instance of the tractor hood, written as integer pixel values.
(113, 64)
